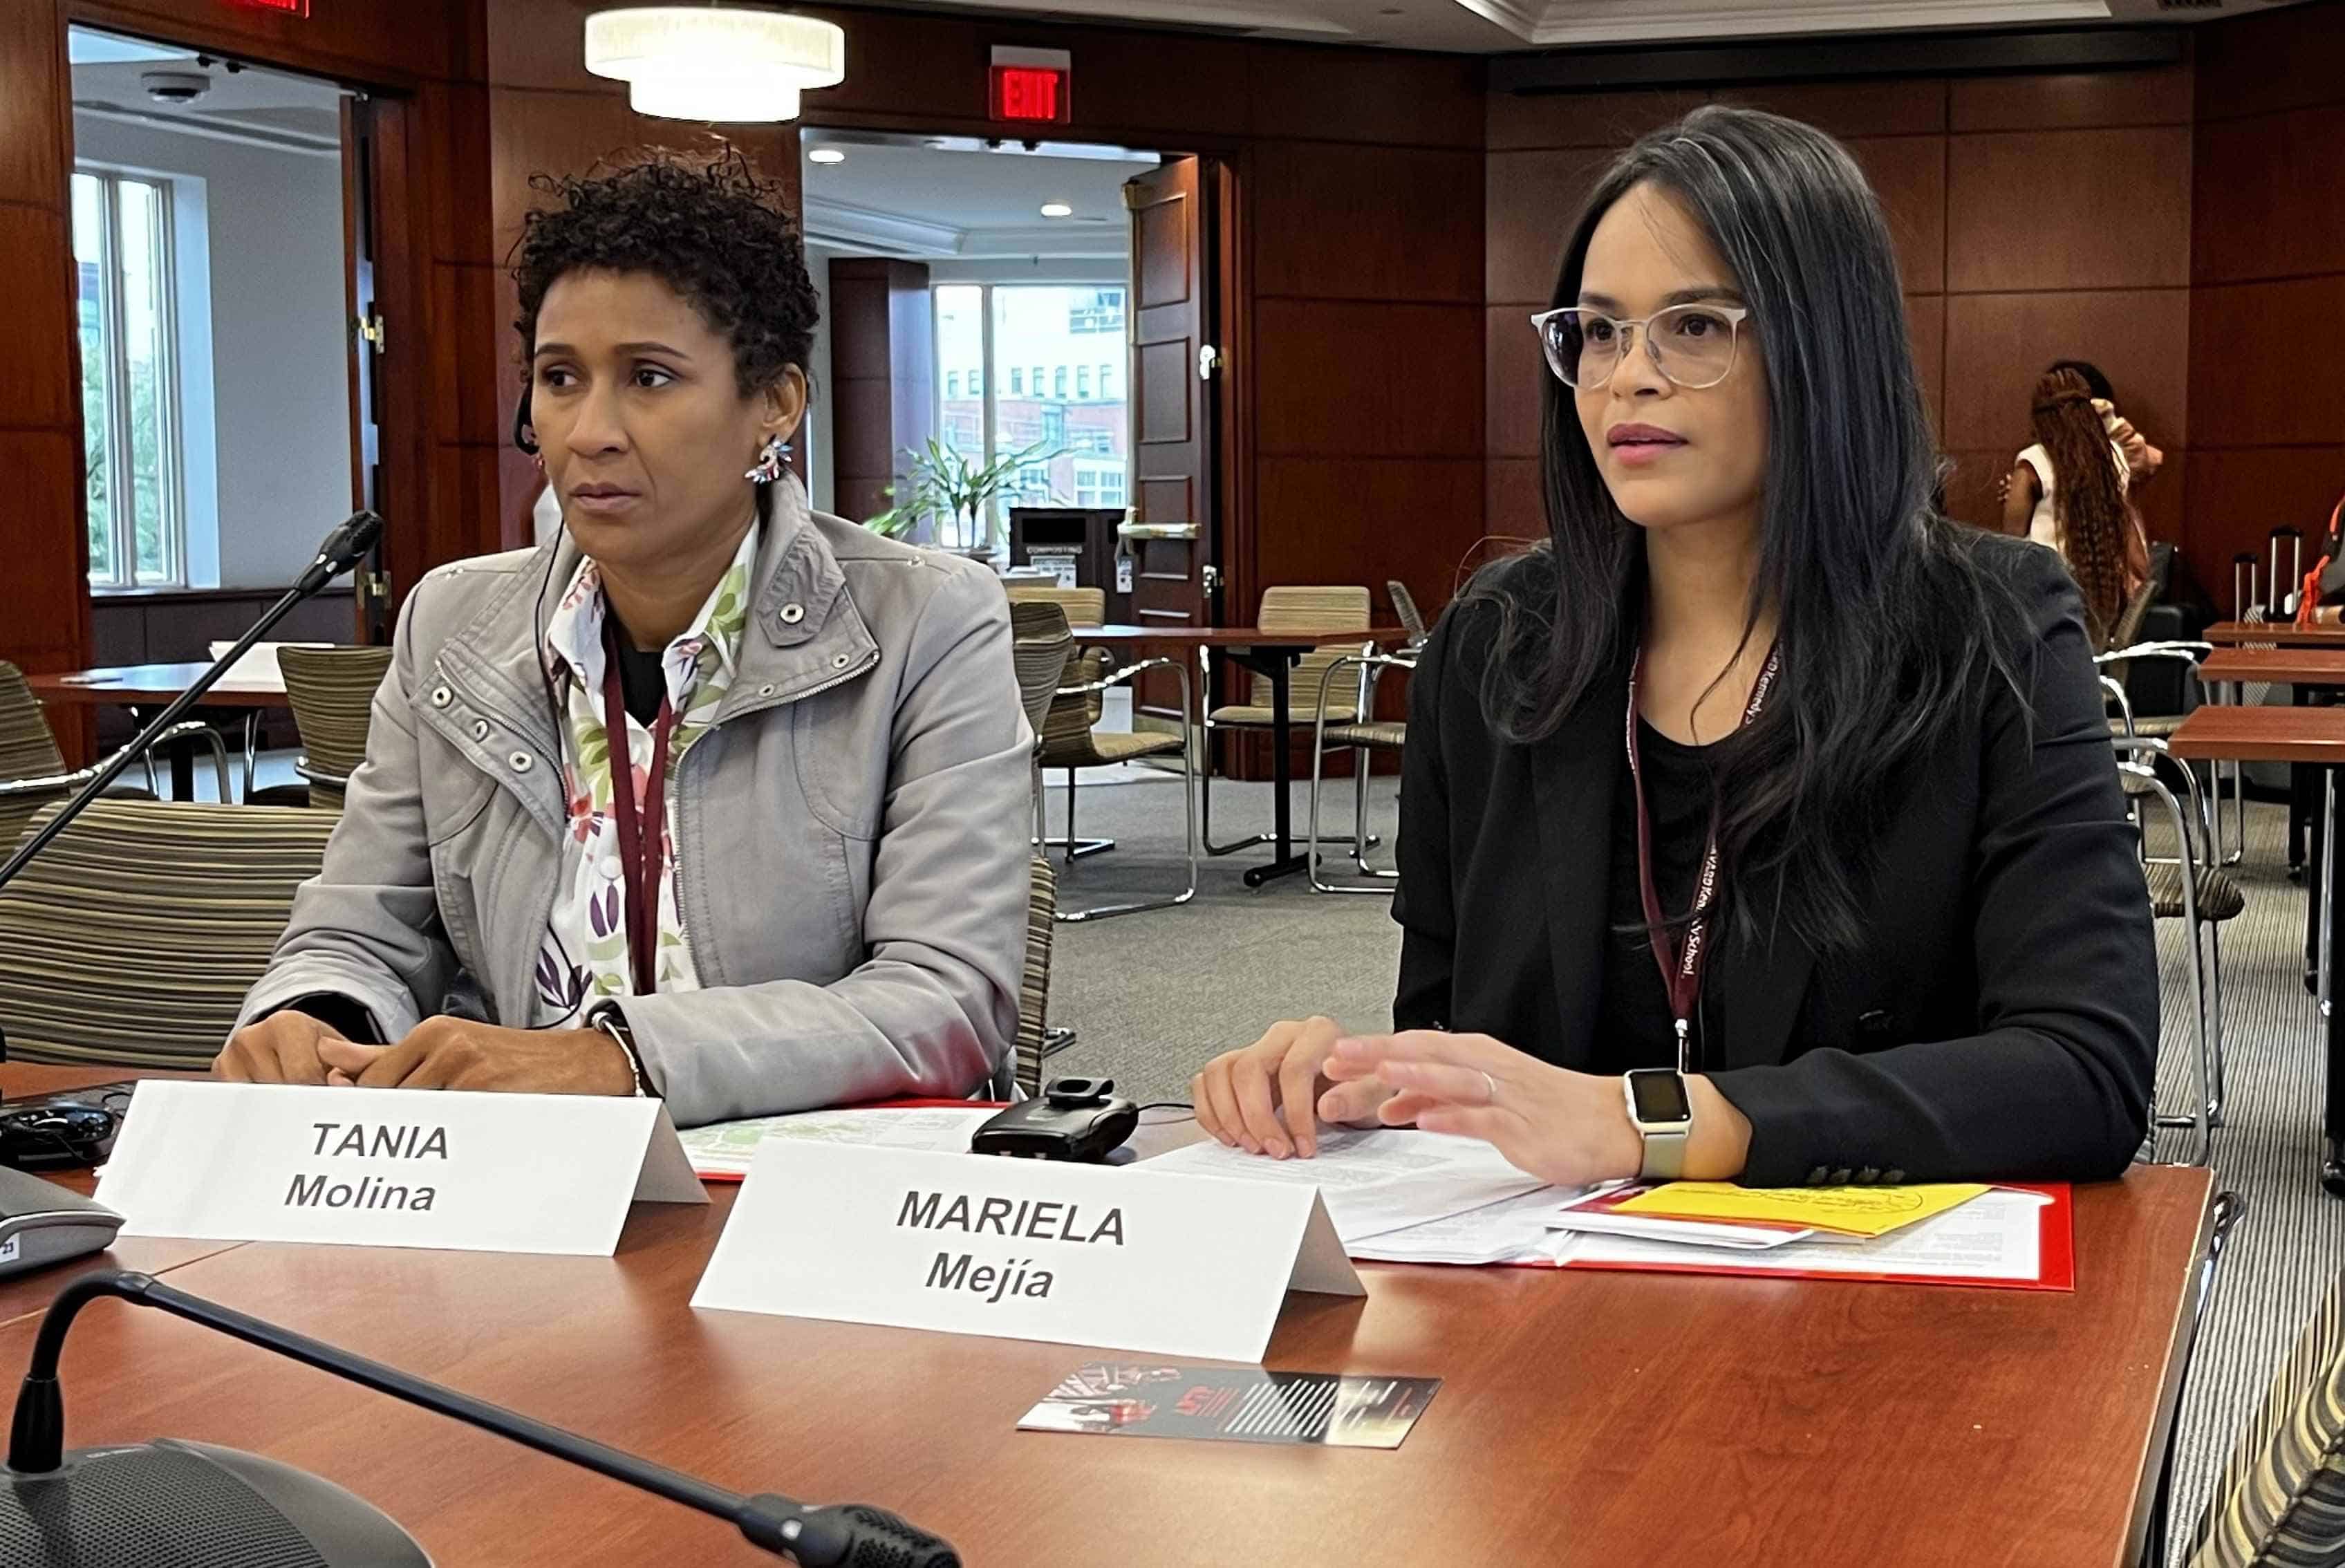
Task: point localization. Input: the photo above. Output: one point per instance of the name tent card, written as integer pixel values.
(385, 1167)
(1122, 1257)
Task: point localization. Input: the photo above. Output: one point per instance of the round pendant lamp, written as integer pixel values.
(714, 62)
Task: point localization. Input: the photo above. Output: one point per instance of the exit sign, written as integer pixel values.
(290, 7)
(1031, 86)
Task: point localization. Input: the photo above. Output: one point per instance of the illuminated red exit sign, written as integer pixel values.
(290, 7)
(1031, 86)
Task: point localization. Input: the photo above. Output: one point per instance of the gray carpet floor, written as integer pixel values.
(1153, 996)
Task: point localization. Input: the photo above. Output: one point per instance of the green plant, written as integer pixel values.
(942, 485)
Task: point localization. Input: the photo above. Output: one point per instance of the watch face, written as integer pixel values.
(1660, 1096)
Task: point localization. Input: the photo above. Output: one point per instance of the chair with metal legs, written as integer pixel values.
(1364, 738)
(1068, 735)
(33, 771)
(2202, 897)
(1293, 609)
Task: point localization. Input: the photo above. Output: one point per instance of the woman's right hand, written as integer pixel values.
(281, 1048)
(1268, 1098)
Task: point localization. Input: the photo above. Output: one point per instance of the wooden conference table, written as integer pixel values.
(1268, 653)
(1585, 1418)
(146, 688)
(2275, 634)
(2307, 737)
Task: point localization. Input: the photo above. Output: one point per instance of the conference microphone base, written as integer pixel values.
(174, 1504)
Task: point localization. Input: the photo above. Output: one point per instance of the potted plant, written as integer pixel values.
(942, 486)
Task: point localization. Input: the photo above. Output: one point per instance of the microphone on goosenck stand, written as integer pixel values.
(173, 1504)
(342, 549)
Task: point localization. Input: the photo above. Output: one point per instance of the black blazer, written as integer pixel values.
(2000, 1019)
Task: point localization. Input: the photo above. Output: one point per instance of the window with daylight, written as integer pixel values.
(1076, 452)
(130, 392)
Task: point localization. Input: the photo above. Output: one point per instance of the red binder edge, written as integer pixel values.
(734, 1177)
(2055, 1256)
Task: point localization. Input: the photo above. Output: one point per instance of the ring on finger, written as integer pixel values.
(1491, 1095)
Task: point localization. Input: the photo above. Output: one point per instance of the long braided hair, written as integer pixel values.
(2098, 530)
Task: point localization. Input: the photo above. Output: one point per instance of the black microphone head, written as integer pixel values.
(349, 542)
(173, 1504)
(343, 548)
(842, 1536)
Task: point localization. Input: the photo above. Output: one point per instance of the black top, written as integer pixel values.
(1998, 1019)
(1634, 1027)
(643, 686)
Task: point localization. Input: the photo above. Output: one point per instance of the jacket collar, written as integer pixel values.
(803, 630)
(1756, 988)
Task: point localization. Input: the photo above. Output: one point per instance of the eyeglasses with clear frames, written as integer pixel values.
(1692, 345)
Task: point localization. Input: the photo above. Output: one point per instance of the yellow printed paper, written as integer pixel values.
(1865, 1211)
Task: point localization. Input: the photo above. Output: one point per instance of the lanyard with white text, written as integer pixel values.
(1680, 963)
(643, 825)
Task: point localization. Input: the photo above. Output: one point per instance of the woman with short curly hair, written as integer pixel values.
(710, 795)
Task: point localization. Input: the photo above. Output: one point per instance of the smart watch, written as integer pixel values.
(1662, 1112)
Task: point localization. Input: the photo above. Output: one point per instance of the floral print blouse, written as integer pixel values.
(583, 958)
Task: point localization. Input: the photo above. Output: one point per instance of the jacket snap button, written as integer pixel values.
(480, 730)
(839, 661)
(522, 762)
(793, 614)
(442, 697)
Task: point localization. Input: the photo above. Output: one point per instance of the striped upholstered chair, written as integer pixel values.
(33, 772)
(2281, 1500)
(1034, 988)
(133, 940)
(332, 693)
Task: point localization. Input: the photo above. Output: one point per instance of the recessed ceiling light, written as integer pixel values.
(826, 155)
(1057, 209)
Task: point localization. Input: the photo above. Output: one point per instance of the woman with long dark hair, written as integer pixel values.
(1763, 825)
(2071, 490)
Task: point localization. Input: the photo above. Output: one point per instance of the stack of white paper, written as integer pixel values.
(1379, 1181)
(1512, 1230)
(1995, 1236)
(726, 1148)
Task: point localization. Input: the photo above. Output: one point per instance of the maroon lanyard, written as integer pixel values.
(1680, 963)
(641, 824)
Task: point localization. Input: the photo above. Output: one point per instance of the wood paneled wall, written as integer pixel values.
(2267, 295)
(1356, 238)
(2037, 218)
(419, 52)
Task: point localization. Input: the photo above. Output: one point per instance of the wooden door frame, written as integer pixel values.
(1226, 160)
(403, 265)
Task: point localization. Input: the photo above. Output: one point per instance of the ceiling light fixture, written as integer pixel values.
(826, 155)
(714, 62)
(1057, 209)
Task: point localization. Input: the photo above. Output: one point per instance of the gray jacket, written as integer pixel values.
(851, 836)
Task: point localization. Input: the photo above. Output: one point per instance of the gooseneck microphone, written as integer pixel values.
(172, 1504)
(342, 549)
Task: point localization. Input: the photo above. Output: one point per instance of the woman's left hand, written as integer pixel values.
(1568, 1128)
(446, 1052)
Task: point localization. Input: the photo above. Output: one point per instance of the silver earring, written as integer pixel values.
(768, 467)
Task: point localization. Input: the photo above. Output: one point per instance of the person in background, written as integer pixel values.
(2071, 492)
(1761, 825)
(803, 881)
(2142, 460)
